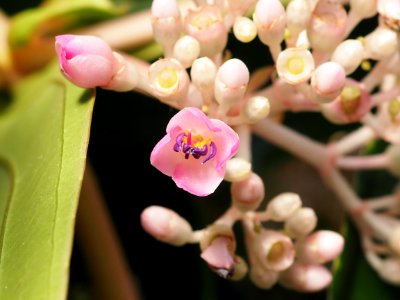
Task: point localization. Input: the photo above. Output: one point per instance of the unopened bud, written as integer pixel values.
(166, 225)
(244, 29)
(306, 277)
(186, 50)
(394, 239)
(262, 278)
(281, 207)
(349, 54)
(203, 74)
(319, 247)
(363, 9)
(255, 109)
(237, 169)
(301, 223)
(247, 194)
(381, 43)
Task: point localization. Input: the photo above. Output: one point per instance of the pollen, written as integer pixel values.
(167, 78)
(295, 65)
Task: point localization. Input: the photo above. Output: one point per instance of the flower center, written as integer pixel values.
(195, 145)
(167, 78)
(295, 65)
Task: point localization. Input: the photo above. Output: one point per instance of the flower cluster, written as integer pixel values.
(220, 102)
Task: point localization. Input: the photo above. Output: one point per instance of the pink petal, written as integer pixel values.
(217, 255)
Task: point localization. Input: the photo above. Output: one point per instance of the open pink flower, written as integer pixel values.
(85, 60)
(195, 150)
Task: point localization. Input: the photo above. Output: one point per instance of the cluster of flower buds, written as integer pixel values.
(221, 102)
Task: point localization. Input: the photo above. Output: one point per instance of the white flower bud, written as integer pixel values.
(298, 14)
(295, 65)
(244, 29)
(203, 74)
(301, 223)
(237, 169)
(349, 54)
(255, 109)
(363, 9)
(186, 50)
(381, 43)
(394, 239)
(281, 207)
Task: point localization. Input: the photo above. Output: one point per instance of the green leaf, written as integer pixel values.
(43, 143)
(59, 16)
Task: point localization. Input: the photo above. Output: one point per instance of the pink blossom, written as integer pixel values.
(85, 60)
(195, 150)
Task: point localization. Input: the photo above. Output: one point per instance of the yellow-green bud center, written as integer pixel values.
(276, 252)
(295, 65)
(167, 78)
(350, 99)
(394, 109)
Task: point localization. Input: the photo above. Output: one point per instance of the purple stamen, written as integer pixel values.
(213, 152)
(195, 151)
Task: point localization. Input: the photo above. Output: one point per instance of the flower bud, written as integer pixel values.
(363, 9)
(86, 61)
(240, 269)
(247, 194)
(327, 82)
(186, 50)
(349, 54)
(306, 277)
(301, 222)
(269, 17)
(394, 238)
(298, 14)
(389, 11)
(219, 256)
(319, 247)
(237, 169)
(281, 207)
(327, 26)
(273, 250)
(168, 80)
(244, 29)
(255, 109)
(205, 24)
(381, 43)
(203, 74)
(166, 225)
(230, 83)
(262, 278)
(353, 103)
(389, 270)
(295, 65)
(166, 23)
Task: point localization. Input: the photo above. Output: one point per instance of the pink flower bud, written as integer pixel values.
(327, 82)
(306, 277)
(319, 247)
(219, 256)
(353, 103)
(273, 250)
(166, 225)
(301, 222)
(281, 207)
(86, 61)
(248, 194)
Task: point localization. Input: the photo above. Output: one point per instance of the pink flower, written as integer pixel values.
(86, 61)
(195, 150)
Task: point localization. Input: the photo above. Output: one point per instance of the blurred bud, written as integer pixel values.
(306, 277)
(217, 230)
(298, 14)
(244, 29)
(219, 256)
(295, 65)
(168, 79)
(281, 207)
(205, 24)
(237, 169)
(248, 194)
(269, 17)
(240, 269)
(381, 43)
(262, 278)
(353, 103)
(166, 225)
(349, 54)
(273, 250)
(301, 222)
(327, 82)
(394, 238)
(186, 50)
(363, 9)
(389, 11)
(327, 26)
(230, 83)
(394, 110)
(319, 247)
(389, 270)
(255, 109)
(87, 61)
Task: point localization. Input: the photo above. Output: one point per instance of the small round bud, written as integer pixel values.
(281, 207)
(381, 43)
(389, 11)
(301, 223)
(166, 225)
(295, 65)
(349, 54)
(240, 269)
(255, 109)
(319, 247)
(262, 278)
(306, 277)
(389, 270)
(363, 9)
(298, 14)
(273, 250)
(186, 50)
(327, 82)
(247, 194)
(237, 169)
(244, 29)
(203, 74)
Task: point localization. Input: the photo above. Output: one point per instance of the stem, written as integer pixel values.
(354, 140)
(98, 240)
(363, 163)
(244, 133)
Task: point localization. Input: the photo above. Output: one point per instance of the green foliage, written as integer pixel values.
(43, 142)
